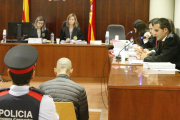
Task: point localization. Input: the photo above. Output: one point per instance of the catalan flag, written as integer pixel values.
(25, 16)
(92, 22)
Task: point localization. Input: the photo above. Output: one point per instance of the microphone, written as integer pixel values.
(143, 37)
(119, 57)
(128, 33)
(46, 29)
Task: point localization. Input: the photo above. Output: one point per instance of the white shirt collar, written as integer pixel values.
(18, 90)
(164, 38)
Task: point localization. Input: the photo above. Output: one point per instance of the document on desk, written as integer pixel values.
(160, 71)
(159, 65)
(166, 69)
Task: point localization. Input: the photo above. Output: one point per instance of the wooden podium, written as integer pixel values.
(87, 60)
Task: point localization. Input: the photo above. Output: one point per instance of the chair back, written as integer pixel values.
(64, 24)
(65, 110)
(96, 114)
(116, 30)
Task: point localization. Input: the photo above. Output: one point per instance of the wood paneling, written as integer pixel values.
(123, 12)
(10, 11)
(87, 60)
(144, 104)
(133, 94)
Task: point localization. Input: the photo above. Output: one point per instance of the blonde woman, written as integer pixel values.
(39, 29)
(71, 31)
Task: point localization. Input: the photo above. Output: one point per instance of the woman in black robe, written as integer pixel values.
(72, 30)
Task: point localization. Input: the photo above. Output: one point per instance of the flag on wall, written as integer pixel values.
(92, 22)
(25, 16)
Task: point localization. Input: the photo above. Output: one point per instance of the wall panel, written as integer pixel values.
(10, 11)
(130, 17)
(123, 12)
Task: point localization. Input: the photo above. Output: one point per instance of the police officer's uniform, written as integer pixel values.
(24, 102)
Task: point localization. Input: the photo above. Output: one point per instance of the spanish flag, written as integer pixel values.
(25, 16)
(92, 22)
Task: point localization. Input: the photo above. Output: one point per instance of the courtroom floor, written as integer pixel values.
(93, 91)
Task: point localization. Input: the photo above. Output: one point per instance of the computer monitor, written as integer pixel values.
(19, 29)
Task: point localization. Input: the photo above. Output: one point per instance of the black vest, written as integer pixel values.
(20, 107)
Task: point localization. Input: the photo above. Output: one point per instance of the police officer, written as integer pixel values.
(21, 101)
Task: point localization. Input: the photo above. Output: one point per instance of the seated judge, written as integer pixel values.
(168, 44)
(39, 29)
(71, 31)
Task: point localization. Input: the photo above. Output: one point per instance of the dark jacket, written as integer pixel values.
(17, 103)
(44, 33)
(150, 44)
(63, 89)
(64, 33)
(167, 51)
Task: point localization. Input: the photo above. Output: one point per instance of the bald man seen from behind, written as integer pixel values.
(63, 89)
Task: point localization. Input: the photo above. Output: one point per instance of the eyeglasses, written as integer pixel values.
(40, 23)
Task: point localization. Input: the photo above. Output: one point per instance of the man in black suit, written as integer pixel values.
(168, 45)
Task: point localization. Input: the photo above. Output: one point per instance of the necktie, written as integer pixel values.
(156, 43)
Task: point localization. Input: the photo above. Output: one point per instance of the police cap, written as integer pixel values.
(21, 59)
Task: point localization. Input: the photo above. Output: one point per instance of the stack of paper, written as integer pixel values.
(159, 65)
(79, 42)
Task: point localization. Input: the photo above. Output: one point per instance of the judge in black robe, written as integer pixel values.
(77, 34)
(71, 31)
(39, 25)
(44, 33)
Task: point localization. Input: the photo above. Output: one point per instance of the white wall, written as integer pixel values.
(161, 8)
(177, 14)
(168, 9)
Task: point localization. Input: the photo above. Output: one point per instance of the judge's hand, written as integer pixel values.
(68, 40)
